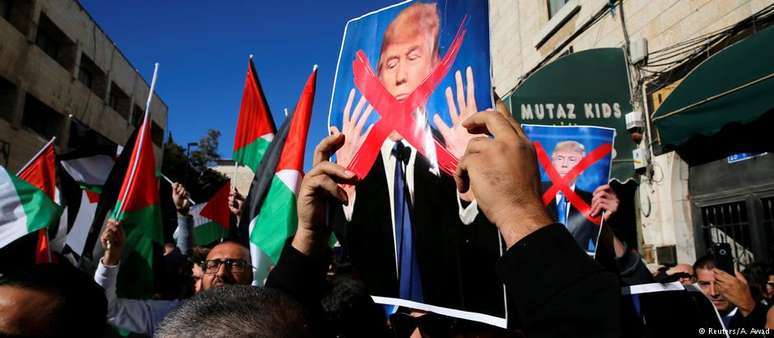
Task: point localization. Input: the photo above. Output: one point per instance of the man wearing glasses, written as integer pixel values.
(227, 263)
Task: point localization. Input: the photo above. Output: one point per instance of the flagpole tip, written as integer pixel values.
(314, 68)
(251, 56)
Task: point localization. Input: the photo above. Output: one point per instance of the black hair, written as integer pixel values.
(706, 262)
(81, 306)
(351, 311)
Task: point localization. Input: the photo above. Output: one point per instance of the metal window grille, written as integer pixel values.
(729, 223)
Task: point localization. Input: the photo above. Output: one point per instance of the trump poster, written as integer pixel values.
(407, 76)
(573, 162)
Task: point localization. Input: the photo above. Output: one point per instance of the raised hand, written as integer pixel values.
(605, 199)
(112, 241)
(352, 128)
(320, 187)
(457, 136)
(735, 290)
(180, 198)
(502, 172)
(235, 202)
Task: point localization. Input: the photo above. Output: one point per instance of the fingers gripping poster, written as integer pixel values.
(574, 161)
(407, 76)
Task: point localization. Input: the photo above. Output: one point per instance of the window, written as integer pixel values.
(728, 223)
(157, 134)
(137, 115)
(119, 101)
(8, 94)
(554, 6)
(41, 118)
(81, 134)
(91, 76)
(55, 43)
(18, 13)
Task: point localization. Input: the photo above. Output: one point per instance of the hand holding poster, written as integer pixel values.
(408, 75)
(573, 161)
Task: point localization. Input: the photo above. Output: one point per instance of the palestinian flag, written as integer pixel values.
(108, 196)
(211, 219)
(255, 197)
(276, 221)
(28, 201)
(83, 173)
(138, 209)
(255, 126)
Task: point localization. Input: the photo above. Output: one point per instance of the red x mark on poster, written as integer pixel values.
(398, 115)
(563, 183)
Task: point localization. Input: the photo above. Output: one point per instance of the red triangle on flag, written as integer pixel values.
(139, 188)
(217, 207)
(41, 171)
(254, 117)
(293, 152)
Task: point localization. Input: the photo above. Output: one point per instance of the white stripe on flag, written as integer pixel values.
(261, 262)
(57, 243)
(76, 239)
(198, 219)
(291, 178)
(92, 170)
(13, 220)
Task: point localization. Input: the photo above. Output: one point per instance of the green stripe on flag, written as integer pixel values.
(207, 233)
(146, 220)
(276, 221)
(142, 227)
(40, 210)
(252, 154)
(91, 187)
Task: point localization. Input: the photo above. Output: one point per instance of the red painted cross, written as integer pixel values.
(563, 183)
(398, 115)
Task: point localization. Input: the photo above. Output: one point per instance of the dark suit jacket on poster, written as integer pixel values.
(456, 261)
(579, 226)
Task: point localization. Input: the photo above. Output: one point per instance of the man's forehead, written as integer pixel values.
(228, 250)
(705, 274)
(568, 151)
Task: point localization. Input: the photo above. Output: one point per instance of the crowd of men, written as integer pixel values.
(554, 288)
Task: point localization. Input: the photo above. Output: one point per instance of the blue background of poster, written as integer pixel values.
(591, 138)
(366, 33)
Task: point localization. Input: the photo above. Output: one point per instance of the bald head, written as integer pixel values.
(232, 266)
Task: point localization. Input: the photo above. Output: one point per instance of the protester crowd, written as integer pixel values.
(554, 288)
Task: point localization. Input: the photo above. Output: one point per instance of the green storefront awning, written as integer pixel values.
(591, 88)
(736, 85)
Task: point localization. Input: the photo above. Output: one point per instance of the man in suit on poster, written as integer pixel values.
(564, 158)
(407, 231)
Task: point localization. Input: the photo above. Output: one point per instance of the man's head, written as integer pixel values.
(684, 273)
(237, 311)
(227, 263)
(409, 52)
(409, 49)
(705, 277)
(51, 300)
(566, 156)
(198, 256)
